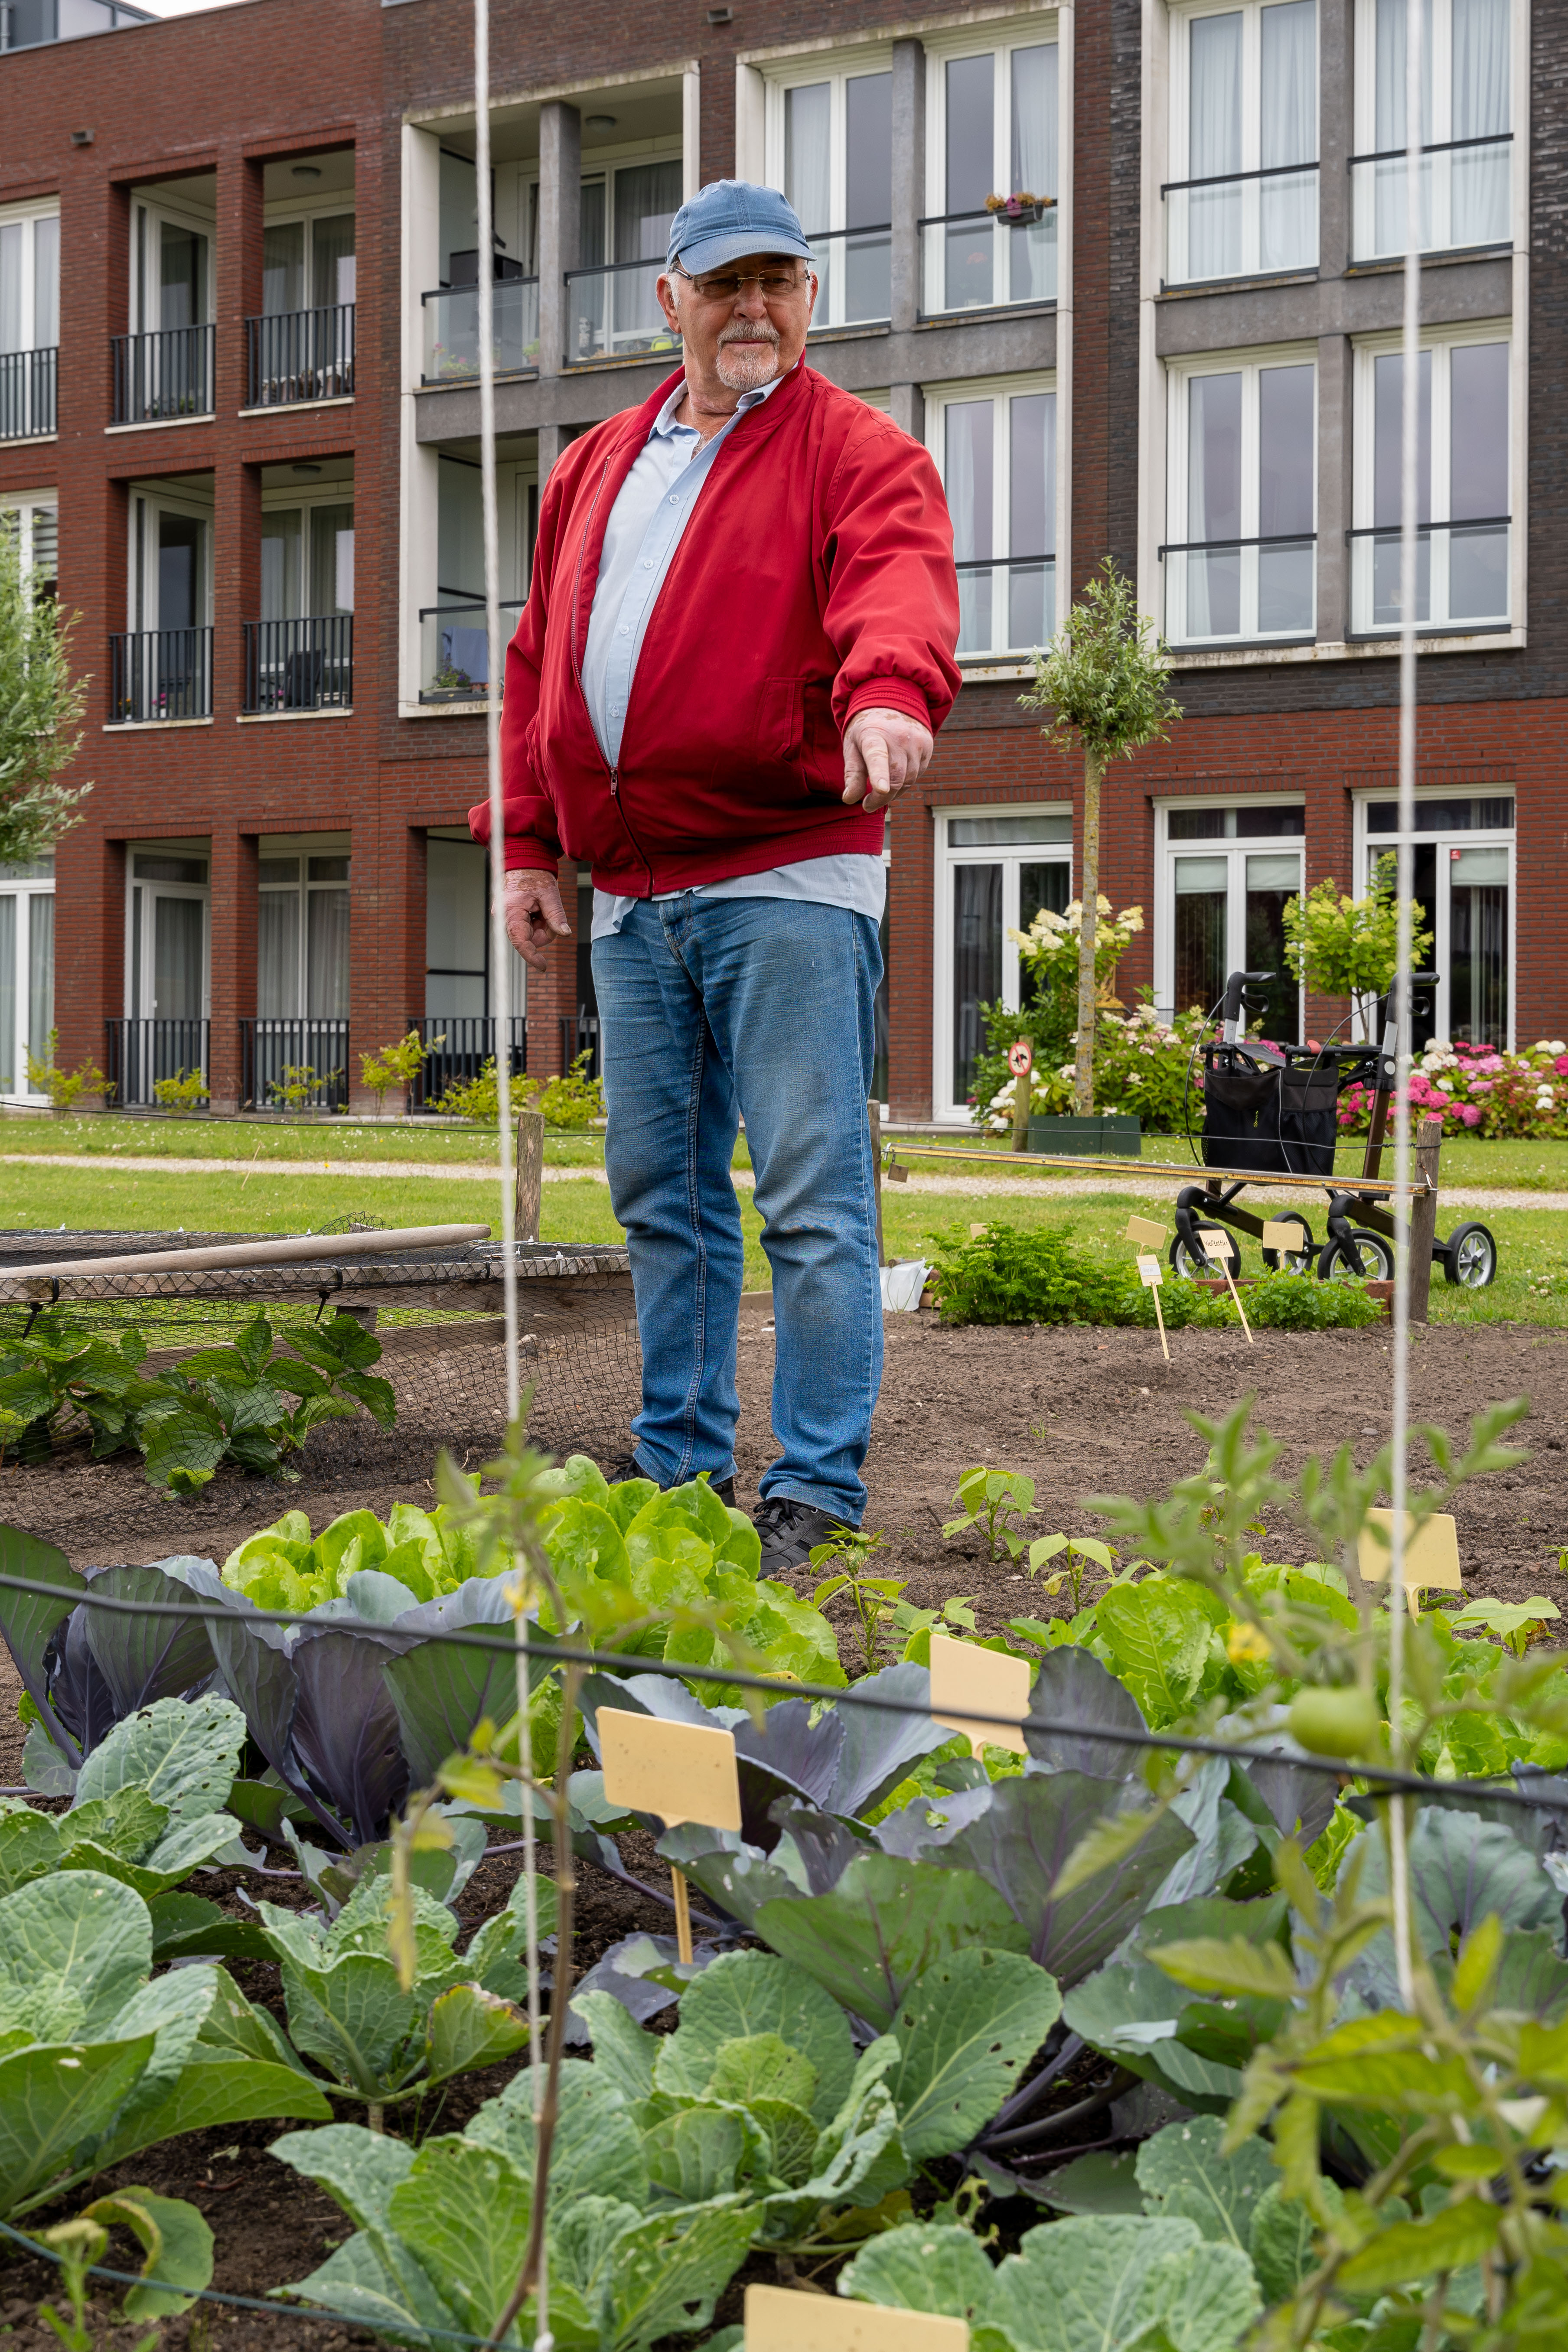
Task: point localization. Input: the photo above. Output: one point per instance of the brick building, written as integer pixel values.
(238, 338)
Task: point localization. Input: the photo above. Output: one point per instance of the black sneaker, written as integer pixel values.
(617, 1473)
(790, 1532)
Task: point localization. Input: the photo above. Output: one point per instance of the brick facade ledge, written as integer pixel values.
(164, 424)
(288, 408)
(273, 718)
(150, 726)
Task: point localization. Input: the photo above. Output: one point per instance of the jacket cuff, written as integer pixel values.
(525, 855)
(890, 694)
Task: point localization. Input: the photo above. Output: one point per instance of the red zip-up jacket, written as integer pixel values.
(814, 579)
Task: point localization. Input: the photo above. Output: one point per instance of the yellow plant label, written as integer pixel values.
(1431, 1556)
(1150, 1273)
(681, 1771)
(1219, 1246)
(1145, 1230)
(1284, 1234)
(963, 1676)
(778, 2320)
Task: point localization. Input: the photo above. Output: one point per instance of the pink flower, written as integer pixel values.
(1469, 1114)
(1560, 1066)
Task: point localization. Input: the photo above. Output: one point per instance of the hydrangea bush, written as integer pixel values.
(1477, 1088)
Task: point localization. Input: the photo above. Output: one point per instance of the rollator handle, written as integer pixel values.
(1236, 998)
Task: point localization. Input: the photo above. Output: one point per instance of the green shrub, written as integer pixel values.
(1296, 1302)
(1009, 1276)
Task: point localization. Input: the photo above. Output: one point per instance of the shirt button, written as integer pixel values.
(675, 502)
(648, 567)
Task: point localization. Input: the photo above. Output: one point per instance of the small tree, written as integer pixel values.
(1104, 680)
(1338, 946)
(40, 713)
(396, 1065)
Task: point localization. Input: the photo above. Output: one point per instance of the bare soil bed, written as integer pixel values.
(1085, 1411)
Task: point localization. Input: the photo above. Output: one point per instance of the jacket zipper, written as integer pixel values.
(614, 774)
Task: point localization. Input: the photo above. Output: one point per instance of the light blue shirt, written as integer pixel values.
(646, 526)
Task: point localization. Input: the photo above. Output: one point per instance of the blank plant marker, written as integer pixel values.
(964, 1677)
(778, 2320)
(1431, 1555)
(681, 1771)
(1284, 1234)
(1145, 1230)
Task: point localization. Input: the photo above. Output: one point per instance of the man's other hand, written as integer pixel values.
(535, 915)
(883, 751)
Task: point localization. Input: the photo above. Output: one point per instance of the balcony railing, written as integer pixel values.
(27, 380)
(1241, 224)
(982, 260)
(1465, 192)
(25, 23)
(456, 1047)
(452, 330)
(855, 276)
(454, 652)
(299, 665)
(160, 673)
(613, 313)
(142, 1051)
(581, 1034)
(292, 355)
(304, 1057)
(1007, 604)
(1461, 575)
(1219, 591)
(167, 373)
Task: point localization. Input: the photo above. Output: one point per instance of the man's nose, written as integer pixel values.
(749, 302)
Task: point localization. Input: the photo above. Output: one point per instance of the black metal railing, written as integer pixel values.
(1246, 588)
(142, 1053)
(1241, 224)
(294, 1061)
(456, 1047)
(299, 665)
(291, 355)
(28, 388)
(1005, 603)
(580, 1034)
(160, 673)
(982, 259)
(1463, 191)
(167, 373)
(1461, 575)
(854, 275)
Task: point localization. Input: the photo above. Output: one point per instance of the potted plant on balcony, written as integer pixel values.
(1022, 206)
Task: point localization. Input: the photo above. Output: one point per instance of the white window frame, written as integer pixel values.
(139, 984)
(1000, 40)
(144, 280)
(1364, 842)
(27, 506)
(1180, 374)
(1180, 78)
(1236, 852)
(1441, 342)
(141, 588)
(26, 888)
(1010, 856)
(1363, 240)
(39, 208)
(310, 209)
(303, 847)
(1005, 661)
(283, 500)
(837, 69)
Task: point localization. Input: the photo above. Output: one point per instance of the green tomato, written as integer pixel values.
(1337, 1722)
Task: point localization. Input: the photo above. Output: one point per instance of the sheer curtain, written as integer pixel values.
(46, 282)
(808, 175)
(1214, 145)
(276, 954)
(1288, 206)
(969, 476)
(327, 953)
(647, 199)
(1034, 245)
(1214, 505)
(11, 235)
(1480, 176)
(1389, 129)
(41, 974)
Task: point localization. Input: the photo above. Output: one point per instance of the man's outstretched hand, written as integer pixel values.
(883, 751)
(535, 915)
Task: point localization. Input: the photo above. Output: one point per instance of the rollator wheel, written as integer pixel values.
(1471, 1257)
(1292, 1260)
(1359, 1258)
(1192, 1268)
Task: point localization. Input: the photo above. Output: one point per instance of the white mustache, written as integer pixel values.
(746, 331)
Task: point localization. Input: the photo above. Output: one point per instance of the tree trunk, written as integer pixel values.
(1088, 891)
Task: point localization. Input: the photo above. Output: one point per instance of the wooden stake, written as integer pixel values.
(530, 1173)
(682, 1914)
(1239, 1308)
(1152, 1276)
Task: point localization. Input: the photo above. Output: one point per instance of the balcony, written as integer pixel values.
(294, 355)
(160, 673)
(30, 23)
(855, 276)
(456, 1047)
(452, 330)
(166, 374)
(1235, 591)
(984, 261)
(1006, 606)
(141, 1053)
(27, 380)
(1241, 224)
(294, 1061)
(613, 313)
(1461, 576)
(1465, 192)
(299, 665)
(453, 651)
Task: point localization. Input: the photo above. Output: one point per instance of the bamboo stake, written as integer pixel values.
(682, 1914)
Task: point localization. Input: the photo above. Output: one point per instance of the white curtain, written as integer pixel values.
(41, 973)
(1213, 504)
(1288, 226)
(1479, 196)
(969, 478)
(46, 282)
(11, 236)
(1389, 129)
(327, 953)
(1034, 247)
(808, 154)
(1214, 145)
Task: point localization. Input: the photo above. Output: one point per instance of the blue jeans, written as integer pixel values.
(712, 1008)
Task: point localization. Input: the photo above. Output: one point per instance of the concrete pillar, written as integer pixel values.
(560, 219)
(909, 180)
(906, 403)
(1336, 131)
(1335, 486)
(553, 442)
(232, 992)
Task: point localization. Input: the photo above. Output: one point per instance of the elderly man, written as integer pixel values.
(737, 650)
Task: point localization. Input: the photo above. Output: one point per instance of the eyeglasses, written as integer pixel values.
(728, 284)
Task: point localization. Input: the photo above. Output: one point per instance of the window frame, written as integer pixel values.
(154, 498)
(302, 848)
(1179, 130)
(836, 68)
(1439, 340)
(26, 505)
(25, 888)
(1249, 363)
(151, 210)
(936, 398)
(137, 983)
(1364, 121)
(285, 211)
(31, 211)
(998, 39)
(1236, 852)
(1363, 841)
(284, 499)
(1010, 855)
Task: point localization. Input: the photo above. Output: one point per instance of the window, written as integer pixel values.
(302, 931)
(1228, 872)
(166, 956)
(29, 321)
(995, 869)
(1242, 200)
(1462, 883)
(1241, 562)
(171, 274)
(1463, 475)
(1467, 113)
(307, 559)
(307, 264)
(454, 655)
(996, 448)
(26, 970)
(830, 149)
(34, 521)
(170, 563)
(627, 209)
(991, 133)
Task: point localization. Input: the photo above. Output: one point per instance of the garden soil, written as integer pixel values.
(1085, 1411)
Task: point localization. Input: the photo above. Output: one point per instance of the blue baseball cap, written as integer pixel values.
(730, 219)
